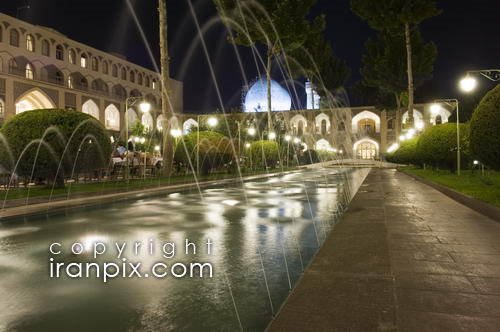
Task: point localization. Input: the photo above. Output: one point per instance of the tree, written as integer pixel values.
(166, 104)
(52, 144)
(397, 17)
(384, 66)
(316, 61)
(279, 26)
(485, 129)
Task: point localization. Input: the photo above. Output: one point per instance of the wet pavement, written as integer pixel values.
(404, 257)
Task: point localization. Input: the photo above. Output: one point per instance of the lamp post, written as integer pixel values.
(452, 103)
(145, 107)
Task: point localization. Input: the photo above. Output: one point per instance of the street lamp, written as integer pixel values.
(251, 131)
(469, 83)
(452, 103)
(212, 122)
(272, 135)
(288, 138)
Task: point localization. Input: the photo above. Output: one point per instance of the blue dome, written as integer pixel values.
(256, 97)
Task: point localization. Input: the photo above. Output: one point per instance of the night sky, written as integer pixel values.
(466, 34)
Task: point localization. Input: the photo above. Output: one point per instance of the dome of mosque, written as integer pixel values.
(256, 97)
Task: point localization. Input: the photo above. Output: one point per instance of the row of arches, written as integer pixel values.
(21, 66)
(63, 52)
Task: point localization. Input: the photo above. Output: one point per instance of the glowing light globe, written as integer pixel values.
(256, 97)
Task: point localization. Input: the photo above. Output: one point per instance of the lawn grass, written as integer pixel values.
(119, 185)
(483, 187)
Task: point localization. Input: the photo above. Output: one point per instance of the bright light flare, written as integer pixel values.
(145, 107)
(212, 122)
(468, 84)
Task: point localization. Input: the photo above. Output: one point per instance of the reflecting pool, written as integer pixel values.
(264, 234)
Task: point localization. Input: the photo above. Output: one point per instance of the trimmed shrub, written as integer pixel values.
(406, 154)
(437, 146)
(215, 150)
(41, 140)
(485, 129)
(264, 154)
(309, 157)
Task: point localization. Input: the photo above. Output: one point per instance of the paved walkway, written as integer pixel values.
(404, 257)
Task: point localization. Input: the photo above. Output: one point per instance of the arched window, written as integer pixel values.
(72, 57)
(59, 53)
(124, 74)
(390, 124)
(30, 43)
(105, 67)
(300, 128)
(147, 121)
(14, 38)
(14, 67)
(323, 127)
(29, 72)
(115, 71)
(154, 85)
(341, 126)
(439, 119)
(70, 82)
(45, 47)
(59, 77)
(95, 64)
(132, 77)
(139, 79)
(83, 60)
(1, 34)
(146, 81)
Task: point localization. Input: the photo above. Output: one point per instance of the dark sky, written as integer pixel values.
(466, 34)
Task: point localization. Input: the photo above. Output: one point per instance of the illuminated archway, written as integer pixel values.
(322, 124)
(33, 100)
(132, 117)
(323, 145)
(91, 108)
(366, 149)
(159, 122)
(147, 121)
(365, 115)
(112, 117)
(188, 125)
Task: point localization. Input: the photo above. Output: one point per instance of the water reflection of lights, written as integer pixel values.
(230, 202)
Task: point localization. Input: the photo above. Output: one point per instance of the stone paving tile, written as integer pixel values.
(486, 285)
(416, 321)
(403, 257)
(449, 302)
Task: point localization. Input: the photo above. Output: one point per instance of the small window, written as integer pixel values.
(72, 57)
(95, 64)
(105, 67)
(341, 126)
(83, 61)
(45, 48)
(154, 85)
(1, 108)
(115, 71)
(70, 82)
(390, 124)
(14, 38)
(139, 79)
(30, 43)
(29, 72)
(59, 53)
(1, 34)
(132, 77)
(123, 74)
(147, 81)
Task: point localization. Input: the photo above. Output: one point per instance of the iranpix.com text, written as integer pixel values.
(116, 264)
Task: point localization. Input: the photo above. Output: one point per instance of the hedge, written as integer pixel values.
(437, 146)
(215, 150)
(485, 129)
(264, 154)
(74, 140)
(406, 153)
